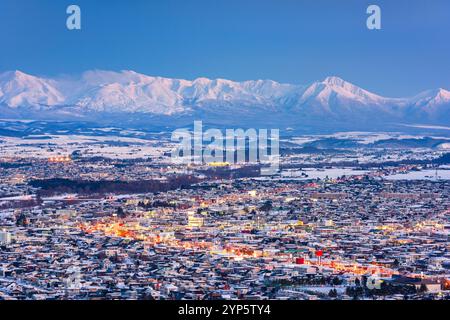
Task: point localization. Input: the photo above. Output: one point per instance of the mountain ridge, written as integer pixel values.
(98, 93)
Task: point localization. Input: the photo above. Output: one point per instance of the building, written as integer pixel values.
(194, 222)
(5, 237)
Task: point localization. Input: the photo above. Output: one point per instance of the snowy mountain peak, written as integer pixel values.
(18, 89)
(16, 75)
(443, 94)
(334, 92)
(431, 99)
(102, 92)
(335, 81)
(345, 87)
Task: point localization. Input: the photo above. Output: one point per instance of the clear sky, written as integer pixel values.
(285, 40)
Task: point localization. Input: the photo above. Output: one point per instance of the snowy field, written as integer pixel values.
(61, 145)
(364, 138)
(321, 174)
(433, 175)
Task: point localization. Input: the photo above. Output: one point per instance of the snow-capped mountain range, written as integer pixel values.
(101, 94)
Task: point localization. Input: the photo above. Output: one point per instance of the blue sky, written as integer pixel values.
(285, 40)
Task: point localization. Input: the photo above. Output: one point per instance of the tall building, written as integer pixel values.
(5, 237)
(193, 221)
(259, 220)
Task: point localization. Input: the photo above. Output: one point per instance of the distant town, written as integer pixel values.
(108, 215)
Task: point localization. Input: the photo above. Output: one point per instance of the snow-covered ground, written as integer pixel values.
(361, 137)
(63, 145)
(433, 175)
(321, 174)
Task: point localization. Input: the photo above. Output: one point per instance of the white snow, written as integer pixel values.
(63, 145)
(128, 91)
(20, 89)
(433, 175)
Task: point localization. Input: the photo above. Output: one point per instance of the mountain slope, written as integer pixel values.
(128, 91)
(18, 89)
(100, 94)
(433, 105)
(340, 99)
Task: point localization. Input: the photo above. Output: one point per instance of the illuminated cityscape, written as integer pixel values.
(224, 159)
(76, 226)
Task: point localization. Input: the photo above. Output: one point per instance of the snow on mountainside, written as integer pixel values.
(334, 96)
(431, 104)
(334, 87)
(18, 89)
(104, 92)
(129, 91)
(431, 98)
(126, 91)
